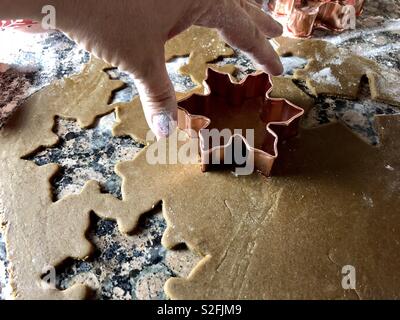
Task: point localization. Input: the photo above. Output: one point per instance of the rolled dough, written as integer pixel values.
(333, 201)
(202, 45)
(38, 232)
(284, 87)
(336, 72)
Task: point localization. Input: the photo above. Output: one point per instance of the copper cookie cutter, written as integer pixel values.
(232, 106)
(306, 15)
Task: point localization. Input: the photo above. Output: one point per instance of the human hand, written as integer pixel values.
(131, 34)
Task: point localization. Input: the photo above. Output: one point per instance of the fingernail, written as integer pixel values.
(163, 124)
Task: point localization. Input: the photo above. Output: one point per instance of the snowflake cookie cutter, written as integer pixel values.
(304, 16)
(238, 106)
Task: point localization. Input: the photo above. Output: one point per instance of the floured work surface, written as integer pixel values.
(332, 202)
(203, 46)
(337, 72)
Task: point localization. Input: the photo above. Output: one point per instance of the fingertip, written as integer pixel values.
(273, 70)
(269, 62)
(277, 69)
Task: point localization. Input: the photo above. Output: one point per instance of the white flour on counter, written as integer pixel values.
(325, 76)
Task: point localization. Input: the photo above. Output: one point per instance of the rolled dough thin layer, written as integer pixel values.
(333, 202)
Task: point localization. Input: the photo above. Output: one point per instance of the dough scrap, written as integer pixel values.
(203, 45)
(132, 112)
(336, 72)
(13, 89)
(128, 114)
(385, 86)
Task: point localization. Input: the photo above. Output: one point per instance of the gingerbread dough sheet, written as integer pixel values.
(284, 87)
(202, 45)
(333, 202)
(40, 233)
(336, 72)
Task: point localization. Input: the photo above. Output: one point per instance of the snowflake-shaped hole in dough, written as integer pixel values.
(86, 154)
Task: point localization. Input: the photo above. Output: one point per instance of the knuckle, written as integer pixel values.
(160, 94)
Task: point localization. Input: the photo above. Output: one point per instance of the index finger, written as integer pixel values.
(238, 29)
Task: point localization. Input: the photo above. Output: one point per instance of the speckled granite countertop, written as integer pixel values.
(137, 267)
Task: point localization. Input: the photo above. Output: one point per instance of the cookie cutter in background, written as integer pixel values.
(303, 16)
(244, 105)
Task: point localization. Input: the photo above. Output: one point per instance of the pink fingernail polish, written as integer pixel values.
(163, 124)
